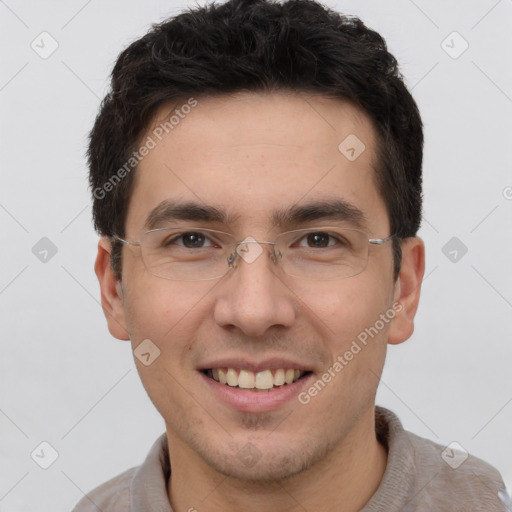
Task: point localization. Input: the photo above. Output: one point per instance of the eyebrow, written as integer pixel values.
(337, 210)
(168, 211)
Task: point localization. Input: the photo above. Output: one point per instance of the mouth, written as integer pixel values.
(264, 381)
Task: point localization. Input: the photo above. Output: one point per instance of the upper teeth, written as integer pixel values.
(246, 379)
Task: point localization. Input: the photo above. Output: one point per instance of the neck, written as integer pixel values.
(343, 481)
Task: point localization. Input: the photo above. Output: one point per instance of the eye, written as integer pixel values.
(320, 239)
(190, 240)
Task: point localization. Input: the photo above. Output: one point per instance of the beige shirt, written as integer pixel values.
(420, 476)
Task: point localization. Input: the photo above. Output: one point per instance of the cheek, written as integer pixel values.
(354, 335)
(357, 340)
(365, 325)
(168, 314)
(345, 308)
(165, 312)
(152, 301)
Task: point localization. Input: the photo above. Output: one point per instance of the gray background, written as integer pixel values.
(64, 380)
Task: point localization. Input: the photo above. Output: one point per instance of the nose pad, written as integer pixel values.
(232, 260)
(275, 255)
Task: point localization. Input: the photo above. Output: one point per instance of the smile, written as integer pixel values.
(247, 380)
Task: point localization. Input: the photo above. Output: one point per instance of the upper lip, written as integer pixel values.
(245, 364)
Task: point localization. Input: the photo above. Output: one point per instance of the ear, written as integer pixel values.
(407, 289)
(111, 291)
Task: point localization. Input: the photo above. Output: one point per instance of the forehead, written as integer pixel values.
(249, 153)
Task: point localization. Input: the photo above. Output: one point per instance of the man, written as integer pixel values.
(256, 173)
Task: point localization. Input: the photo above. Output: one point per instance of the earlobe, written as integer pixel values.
(111, 291)
(407, 289)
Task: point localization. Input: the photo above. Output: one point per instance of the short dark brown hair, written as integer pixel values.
(257, 46)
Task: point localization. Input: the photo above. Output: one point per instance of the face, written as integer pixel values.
(250, 156)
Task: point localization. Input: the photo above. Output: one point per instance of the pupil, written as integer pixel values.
(193, 240)
(318, 239)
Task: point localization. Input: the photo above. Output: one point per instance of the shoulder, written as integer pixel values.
(453, 479)
(111, 496)
(423, 475)
(135, 489)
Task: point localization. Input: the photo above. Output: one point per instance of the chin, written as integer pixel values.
(254, 463)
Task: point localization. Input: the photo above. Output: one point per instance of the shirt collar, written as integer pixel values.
(148, 488)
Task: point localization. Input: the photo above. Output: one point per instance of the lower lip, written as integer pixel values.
(254, 401)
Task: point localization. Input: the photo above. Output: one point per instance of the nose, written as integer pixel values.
(253, 296)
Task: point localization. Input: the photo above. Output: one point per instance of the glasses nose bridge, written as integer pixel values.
(249, 250)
